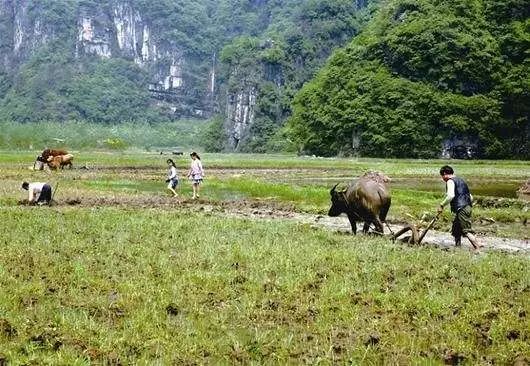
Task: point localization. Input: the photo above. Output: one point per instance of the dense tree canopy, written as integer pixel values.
(424, 71)
(290, 51)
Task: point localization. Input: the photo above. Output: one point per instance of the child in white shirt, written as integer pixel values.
(172, 177)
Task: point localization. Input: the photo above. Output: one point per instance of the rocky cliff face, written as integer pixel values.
(118, 29)
(240, 111)
(21, 31)
(246, 81)
(123, 32)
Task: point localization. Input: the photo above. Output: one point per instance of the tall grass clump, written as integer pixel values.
(83, 135)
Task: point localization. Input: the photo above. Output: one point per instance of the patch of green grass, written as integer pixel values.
(83, 135)
(353, 167)
(142, 286)
(308, 199)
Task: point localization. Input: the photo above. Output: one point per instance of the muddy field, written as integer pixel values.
(116, 271)
(290, 190)
(270, 210)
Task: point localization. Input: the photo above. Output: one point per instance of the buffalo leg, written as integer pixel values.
(379, 226)
(384, 210)
(366, 227)
(353, 224)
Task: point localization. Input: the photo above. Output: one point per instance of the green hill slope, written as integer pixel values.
(424, 72)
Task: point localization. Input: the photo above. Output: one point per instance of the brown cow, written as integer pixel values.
(45, 155)
(60, 161)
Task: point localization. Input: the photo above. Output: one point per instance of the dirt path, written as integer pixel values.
(256, 209)
(341, 224)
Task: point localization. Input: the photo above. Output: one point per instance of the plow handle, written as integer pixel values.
(429, 227)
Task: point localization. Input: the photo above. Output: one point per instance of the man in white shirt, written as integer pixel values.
(460, 200)
(40, 193)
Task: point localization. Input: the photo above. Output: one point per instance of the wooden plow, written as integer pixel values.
(415, 237)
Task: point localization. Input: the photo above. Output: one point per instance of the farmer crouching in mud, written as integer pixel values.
(457, 194)
(39, 193)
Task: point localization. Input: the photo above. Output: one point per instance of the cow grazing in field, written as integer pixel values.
(46, 153)
(60, 161)
(368, 200)
(44, 157)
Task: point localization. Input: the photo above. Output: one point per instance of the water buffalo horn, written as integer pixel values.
(333, 189)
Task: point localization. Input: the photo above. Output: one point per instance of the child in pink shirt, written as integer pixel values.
(196, 173)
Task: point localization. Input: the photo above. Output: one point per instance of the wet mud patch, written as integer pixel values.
(249, 208)
(7, 329)
(452, 357)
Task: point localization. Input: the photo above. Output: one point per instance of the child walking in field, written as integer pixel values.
(172, 178)
(196, 173)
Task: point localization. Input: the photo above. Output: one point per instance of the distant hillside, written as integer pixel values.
(117, 60)
(112, 61)
(264, 72)
(424, 78)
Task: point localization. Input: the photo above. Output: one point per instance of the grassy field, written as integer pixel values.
(127, 279)
(124, 286)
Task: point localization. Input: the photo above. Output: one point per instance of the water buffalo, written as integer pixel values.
(366, 200)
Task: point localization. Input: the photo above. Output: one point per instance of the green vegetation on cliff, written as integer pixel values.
(424, 71)
(47, 75)
(287, 54)
(51, 88)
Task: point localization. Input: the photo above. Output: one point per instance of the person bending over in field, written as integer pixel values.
(40, 193)
(196, 173)
(460, 200)
(172, 178)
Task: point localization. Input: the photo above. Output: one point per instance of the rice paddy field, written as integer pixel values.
(119, 272)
